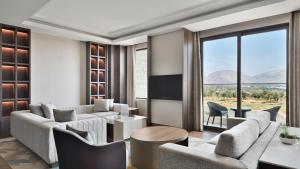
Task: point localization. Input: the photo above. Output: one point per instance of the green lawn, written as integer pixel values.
(258, 97)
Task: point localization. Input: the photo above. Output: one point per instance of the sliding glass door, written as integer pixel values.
(263, 67)
(244, 71)
(220, 77)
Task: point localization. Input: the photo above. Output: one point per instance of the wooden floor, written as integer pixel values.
(206, 135)
(3, 164)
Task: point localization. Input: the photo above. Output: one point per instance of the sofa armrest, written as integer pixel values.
(233, 121)
(173, 156)
(35, 132)
(123, 109)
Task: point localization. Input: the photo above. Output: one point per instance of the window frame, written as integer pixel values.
(239, 35)
(143, 98)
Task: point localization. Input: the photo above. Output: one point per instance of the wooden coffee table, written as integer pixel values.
(144, 144)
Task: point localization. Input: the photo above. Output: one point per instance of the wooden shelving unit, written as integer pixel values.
(97, 67)
(15, 71)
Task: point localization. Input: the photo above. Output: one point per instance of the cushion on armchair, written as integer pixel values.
(236, 141)
(83, 134)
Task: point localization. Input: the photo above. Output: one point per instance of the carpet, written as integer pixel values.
(19, 157)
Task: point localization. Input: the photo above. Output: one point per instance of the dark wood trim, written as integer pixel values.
(288, 54)
(123, 74)
(149, 56)
(89, 69)
(118, 73)
(238, 113)
(109, 64)
(19, 42)
(115, 69)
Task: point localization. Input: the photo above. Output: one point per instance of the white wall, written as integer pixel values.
(167, 59)
(57, 70)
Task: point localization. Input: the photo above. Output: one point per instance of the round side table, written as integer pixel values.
(144, 144)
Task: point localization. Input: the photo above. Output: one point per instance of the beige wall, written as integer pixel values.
(167, 59)
(58, 70)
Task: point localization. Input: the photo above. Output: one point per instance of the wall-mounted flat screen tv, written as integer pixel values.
(165, 87)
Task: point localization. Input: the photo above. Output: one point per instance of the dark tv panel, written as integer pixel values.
(166, 87)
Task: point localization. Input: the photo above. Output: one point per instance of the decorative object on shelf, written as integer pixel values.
(97, 68)
(286, 138)
(15, 73)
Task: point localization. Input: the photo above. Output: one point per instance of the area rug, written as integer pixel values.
(19, 157)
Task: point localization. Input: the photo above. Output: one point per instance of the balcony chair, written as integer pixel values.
(273, 112)
(216, 110)
(75, 152)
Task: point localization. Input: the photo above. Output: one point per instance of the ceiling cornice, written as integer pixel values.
(49, 28)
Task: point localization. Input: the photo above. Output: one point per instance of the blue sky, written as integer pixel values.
(261, 53)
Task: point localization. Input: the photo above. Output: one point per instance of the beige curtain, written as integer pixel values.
(294, 71)
(131, 101)
(197, 83)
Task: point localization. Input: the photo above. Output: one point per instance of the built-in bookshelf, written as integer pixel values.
(97, 68)
(15, 70)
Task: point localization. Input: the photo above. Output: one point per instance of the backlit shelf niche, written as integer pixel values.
(96, 71)
(15, 69)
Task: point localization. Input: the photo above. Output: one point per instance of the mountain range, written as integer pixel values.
(230, 77)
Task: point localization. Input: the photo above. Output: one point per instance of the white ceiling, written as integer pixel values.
(14, 12)
(127, 22)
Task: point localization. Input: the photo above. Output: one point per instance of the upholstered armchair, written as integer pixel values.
(75, 152)
(273, 112)
(216, 110)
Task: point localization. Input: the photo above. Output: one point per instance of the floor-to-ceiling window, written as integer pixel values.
(245, 71)
(141, 73)
(220, 75)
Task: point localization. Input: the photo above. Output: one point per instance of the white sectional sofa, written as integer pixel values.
(248, 137)
(36, 133)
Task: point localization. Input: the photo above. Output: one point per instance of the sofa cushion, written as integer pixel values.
(206, 147)
(101, 105)
(48, 110)
(81, 109)
(262, 117)
(236, 141)
(251, 157)
(36, 109)
(64, 115)
(85, 116)
(104, 114)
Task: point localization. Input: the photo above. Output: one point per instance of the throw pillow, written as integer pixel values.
(64, 115)
(111, 104)
(262, 117)
(237, 140)
(101, 105)
(83, 134)
(48, 110)
(36, 109)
